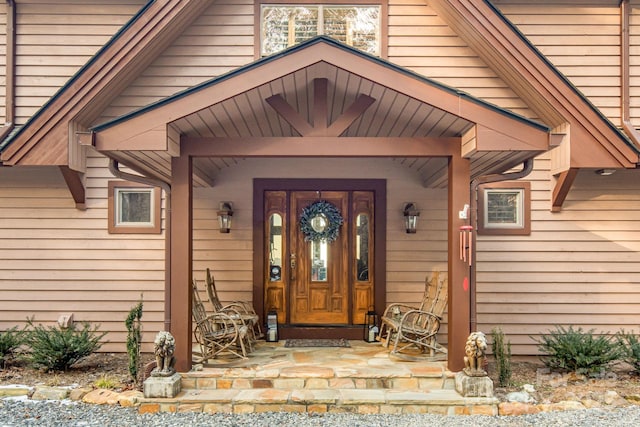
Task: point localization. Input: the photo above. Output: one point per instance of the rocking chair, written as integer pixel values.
(218, 332)
(244, 309)
(416, 328)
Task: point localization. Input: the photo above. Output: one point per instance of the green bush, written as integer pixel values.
(573, 350)
(10, 340)
(630, 347)
(56, 349)
(134, 338)
(502, 353)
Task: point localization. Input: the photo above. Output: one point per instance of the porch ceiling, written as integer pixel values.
(330, 89)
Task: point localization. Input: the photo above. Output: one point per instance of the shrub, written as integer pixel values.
(56, 349)
(502, 353)
(573, 350)
(630, 348)
(10, 340)
(134, 338)
(106, 381)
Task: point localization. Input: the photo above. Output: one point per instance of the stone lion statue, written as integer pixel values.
(165, 345)
(475, 350)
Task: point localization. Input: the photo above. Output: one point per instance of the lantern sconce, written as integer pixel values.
(224, 216)
(411, 214)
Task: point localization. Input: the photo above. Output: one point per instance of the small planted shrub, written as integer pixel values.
(10, 340)
(574, 350)
(630, 348)
(502, 352)
(106, 381)
(56, 349)
(134, 338)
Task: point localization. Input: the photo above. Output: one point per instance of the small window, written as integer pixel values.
(283, 25)
(504, 208)
(133, 208)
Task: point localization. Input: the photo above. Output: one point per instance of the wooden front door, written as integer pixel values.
(319, 282)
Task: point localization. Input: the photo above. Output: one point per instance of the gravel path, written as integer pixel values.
(63, 414)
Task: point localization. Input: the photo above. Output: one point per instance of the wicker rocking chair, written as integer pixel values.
(220, 332)
(415, 328)
(244, 309)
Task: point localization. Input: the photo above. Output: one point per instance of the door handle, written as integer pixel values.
(292, 264)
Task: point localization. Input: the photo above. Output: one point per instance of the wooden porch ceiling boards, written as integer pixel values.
(304, 92)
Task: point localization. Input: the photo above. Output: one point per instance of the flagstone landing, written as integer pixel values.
(361, 379)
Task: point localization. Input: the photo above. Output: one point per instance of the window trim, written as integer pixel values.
(525, 228)
(384, 19)
(154, 228)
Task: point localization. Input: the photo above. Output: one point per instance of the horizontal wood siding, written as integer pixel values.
(580, 266)
(410, 257)
(55, 259)
(422, 42)
(54, 40)
(3, 61)
(582, 41)
(219, 41)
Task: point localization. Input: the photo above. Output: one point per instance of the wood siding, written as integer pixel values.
(55, 41)
(580, 266)
(55, 259)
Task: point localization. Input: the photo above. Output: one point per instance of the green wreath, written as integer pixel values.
(320, 221)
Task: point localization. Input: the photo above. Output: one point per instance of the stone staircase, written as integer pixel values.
(361, 379)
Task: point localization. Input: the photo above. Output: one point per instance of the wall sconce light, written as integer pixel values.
(411, 214)
(224, 216)
(605, 172)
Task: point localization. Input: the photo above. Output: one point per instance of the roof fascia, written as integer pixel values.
(508, 52)
(106, 67)
(151, 118)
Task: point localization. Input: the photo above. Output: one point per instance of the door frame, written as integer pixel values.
(378, 187)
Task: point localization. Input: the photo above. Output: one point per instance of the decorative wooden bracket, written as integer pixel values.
(321, 125)
(564, 181)
(74, 182)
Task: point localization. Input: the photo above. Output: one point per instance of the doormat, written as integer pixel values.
(316, 343)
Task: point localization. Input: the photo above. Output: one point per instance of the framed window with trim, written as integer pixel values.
(133, 208)
(355, 23)
(504, 208)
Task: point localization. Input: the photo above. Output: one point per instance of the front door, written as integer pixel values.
(320, 249)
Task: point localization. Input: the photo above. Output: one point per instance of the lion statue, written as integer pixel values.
(165, 345)
(475, 350)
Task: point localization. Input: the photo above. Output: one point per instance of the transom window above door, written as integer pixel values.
(284, 25)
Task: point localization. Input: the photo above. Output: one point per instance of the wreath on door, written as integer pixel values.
(321, 221)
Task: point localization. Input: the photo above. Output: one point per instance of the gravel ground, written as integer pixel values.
(62, 414)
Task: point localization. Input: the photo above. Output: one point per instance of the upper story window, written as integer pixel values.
(285, 25)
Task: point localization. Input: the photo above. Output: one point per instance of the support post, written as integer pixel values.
(181, 259)
(459, 297)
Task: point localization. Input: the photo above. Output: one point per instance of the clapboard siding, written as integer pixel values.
(420, 41)
(580, 266)
(219, 41)
(582, 41)
(55, 40)
(57, 259)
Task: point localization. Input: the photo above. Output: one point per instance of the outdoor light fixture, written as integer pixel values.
(605, 172)
(224, 216)
(411, 214)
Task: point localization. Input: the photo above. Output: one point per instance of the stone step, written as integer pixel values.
(309, 377)
(363, 401)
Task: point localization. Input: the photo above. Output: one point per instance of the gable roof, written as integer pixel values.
(337, 91)
(482, 26)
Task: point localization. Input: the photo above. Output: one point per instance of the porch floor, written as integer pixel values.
(360, 379)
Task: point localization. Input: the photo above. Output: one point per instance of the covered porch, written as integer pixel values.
(317, 101)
